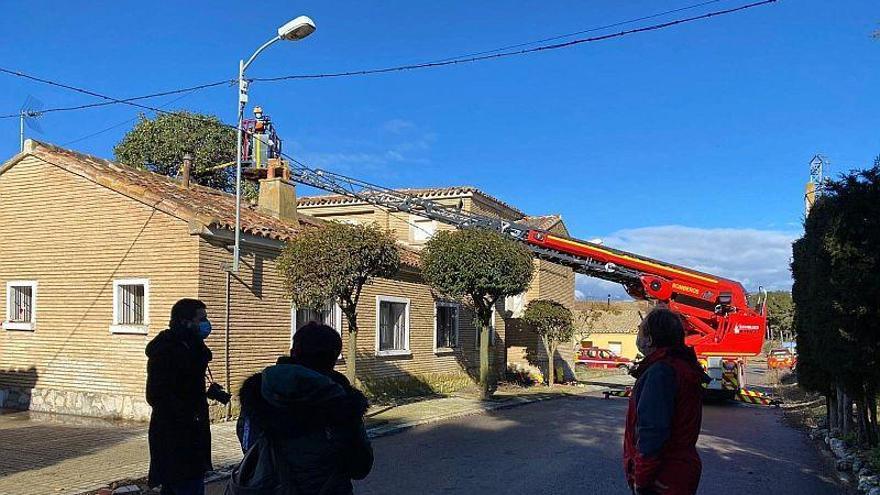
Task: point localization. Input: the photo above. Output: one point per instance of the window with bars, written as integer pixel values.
(21, 300)
(446, 326)
(130, 306)
(392, 334)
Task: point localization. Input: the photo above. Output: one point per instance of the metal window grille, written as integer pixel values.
(392, 326)
(447, 319)
(323, 315)
(22, 308)
(131, 305)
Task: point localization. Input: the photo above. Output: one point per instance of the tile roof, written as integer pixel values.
(203, 206)
(428, 192)
(541, 222)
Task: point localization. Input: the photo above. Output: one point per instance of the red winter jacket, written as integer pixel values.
(663, 423)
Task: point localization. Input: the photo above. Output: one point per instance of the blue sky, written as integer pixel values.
(690, 144)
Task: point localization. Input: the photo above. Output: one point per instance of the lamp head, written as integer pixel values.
(297, 29)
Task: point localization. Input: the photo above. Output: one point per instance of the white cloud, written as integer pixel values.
(752, 257)
(395, 126)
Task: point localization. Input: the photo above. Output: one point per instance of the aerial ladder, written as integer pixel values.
(720, 324)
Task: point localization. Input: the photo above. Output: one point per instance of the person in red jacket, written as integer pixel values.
(665, 411)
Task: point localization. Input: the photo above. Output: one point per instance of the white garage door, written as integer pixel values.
(615, 347)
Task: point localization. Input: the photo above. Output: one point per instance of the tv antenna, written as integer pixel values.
(30, 110)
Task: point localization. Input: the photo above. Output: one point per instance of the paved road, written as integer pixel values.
(574, 445)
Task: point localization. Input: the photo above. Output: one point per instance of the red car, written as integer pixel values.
(781, 358)
(594, 357)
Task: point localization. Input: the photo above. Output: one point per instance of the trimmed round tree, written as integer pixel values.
(553, 322)
(480, 266)
(158, 145)
(333, 262)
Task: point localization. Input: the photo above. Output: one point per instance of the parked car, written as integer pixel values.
(595, 357)
(781, 358)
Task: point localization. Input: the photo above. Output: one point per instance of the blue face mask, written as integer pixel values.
(204, 329)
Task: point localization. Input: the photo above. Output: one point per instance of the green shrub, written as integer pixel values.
(409, 386)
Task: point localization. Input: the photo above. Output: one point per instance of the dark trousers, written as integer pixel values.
(188, 487)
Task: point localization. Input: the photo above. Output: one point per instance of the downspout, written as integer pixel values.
(226, 342)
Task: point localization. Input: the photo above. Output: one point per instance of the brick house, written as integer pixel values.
(95, 253)
(551, 281)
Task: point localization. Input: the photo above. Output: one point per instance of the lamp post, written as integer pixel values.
(294, 30)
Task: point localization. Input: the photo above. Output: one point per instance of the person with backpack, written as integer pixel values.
(302, 423)
(665, 410)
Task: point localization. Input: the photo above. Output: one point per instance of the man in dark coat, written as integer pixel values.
(180, 435)
(311, 414)
(665, 411)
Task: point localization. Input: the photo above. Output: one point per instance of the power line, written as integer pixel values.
(584, 31)
(114, 126)
(469, 58)
(480, 58)
(109, 100)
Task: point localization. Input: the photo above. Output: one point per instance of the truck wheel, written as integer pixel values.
(624, 368)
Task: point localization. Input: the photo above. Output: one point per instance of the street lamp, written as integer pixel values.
(294, 30)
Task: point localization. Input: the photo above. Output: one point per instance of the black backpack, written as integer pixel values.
(260, 473)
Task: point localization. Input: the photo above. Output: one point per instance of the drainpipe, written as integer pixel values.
(226, 342)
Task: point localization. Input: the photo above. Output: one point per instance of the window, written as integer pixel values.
(515, 305)
(422, 229)
(392, 326)
(21, 305)
(131, 305)
(329, 314)
(445, 326)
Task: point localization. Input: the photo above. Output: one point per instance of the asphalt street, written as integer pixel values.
(574, 446)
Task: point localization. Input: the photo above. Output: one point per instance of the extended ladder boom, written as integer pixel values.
(719, 318)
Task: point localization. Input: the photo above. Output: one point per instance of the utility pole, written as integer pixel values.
(816, 183)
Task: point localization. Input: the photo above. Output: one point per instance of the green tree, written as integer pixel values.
(333, 262)
(482, 267)
(158, 145)
(835, 292)
(780, 314)
(553, 322)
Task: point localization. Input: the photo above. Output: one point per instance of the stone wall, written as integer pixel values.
(73, 402)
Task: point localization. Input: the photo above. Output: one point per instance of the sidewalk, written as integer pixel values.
(47, 454)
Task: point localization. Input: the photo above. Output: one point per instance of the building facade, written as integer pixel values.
(551, 281)
(96, 253)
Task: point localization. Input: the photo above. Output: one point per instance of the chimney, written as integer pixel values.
(186, 170)
(278, 198)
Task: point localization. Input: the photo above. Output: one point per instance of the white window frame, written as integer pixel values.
(406, 331)
(337, 321)
(115, 326)
(11, 325)
(418, 224)
(447, 304)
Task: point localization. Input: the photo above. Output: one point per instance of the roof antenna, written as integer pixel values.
(27, 114)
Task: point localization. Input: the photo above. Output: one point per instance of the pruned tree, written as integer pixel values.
(481, 267)
(158, 145)
(554, 323)
(333, 262)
